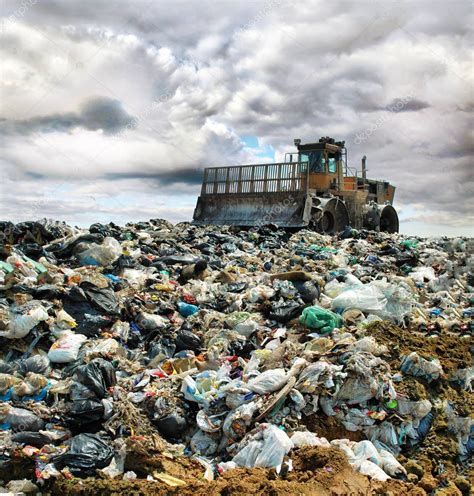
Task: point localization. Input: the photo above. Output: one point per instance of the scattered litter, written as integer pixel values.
(225, 348)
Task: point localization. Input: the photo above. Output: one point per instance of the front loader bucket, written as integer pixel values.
(285, 209)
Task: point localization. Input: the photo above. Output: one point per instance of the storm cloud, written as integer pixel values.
(110, 110)
(100, 113)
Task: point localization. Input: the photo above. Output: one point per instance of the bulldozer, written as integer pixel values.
(313, 188)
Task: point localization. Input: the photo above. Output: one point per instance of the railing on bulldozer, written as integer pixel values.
(259, 178)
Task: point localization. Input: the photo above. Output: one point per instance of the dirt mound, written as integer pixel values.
(316, 471)
(450, 349)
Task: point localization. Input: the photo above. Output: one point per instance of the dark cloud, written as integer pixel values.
(406, 104)
(97, 113)
(189, 176)
(106, 114)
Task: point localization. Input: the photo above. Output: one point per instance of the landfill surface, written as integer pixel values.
(173, 359)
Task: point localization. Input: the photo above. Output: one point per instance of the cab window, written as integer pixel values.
(332, 165)
(304, 157)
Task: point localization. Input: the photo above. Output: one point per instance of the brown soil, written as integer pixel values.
(451, 350)
(438, 452)
(330, 428)
(316, 471)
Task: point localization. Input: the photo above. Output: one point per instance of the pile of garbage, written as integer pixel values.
(227, 347)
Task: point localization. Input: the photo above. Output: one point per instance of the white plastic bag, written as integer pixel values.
(149, 321)
(422, 274)
(246, 328)
(369, 344)
(203, 443)
(276, 444)
(415, 409)
(236, 396)
(301, 438)
(103, 254)
(22, 319)
(365, 450)
(417, 366)
(117, 465)
(247, 456)
(367, 298)
(391, 465)
(225, 466)
(372, 470)
(267, 449)
(268, 381)
(136, 278)
(66, 348)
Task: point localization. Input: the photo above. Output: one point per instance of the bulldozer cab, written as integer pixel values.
(326, 163)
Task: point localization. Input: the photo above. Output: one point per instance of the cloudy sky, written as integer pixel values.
(111, 108)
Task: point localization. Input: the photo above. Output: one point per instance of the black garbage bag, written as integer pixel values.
(126, 262)
(178, 259)
(284, 312)
(92, 325)
(85, 412)
(79, 392)
(67, 250)
(38, 364)
(171, 426)
(87, 453)
(406, 258)
(48, 292)
(98, 375)
(158, 265)
(102, 299)
(308, 290)
(164, 346)
(242, 348)
(346, 233)
(90, 321)
(219, 304)
(31, 438)
(206, 248)
(105, 230)
(21, 419)
(187, 340)
(32, 250)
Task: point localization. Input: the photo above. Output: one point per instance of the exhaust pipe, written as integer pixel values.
(364, 169)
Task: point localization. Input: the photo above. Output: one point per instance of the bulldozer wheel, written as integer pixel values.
(327, 222)
(333, 218)
(389, 219)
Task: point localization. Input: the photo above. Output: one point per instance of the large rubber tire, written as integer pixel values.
(389, 219)
(332, 216)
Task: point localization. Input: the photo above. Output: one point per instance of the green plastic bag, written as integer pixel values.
(409, 243)
(324, 321)
(6, 267)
